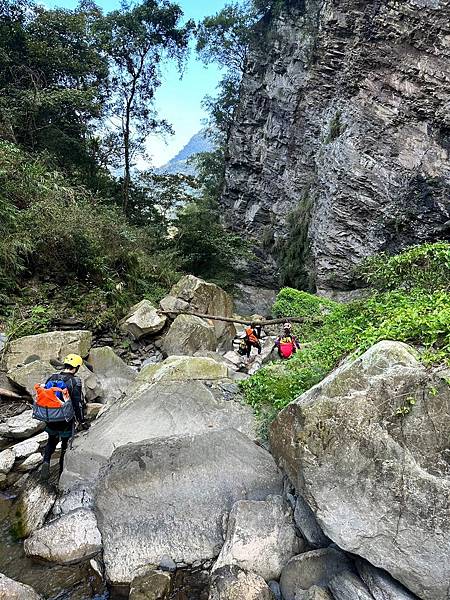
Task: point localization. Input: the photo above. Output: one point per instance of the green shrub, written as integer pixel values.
(64, 249)
(426, 266)
(418, 316)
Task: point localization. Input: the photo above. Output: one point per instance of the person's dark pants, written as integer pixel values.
(51, 447)
(253, 344)
(54, 436)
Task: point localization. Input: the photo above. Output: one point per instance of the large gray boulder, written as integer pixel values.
(232, 583)
(314, 568)
(13, 590)
(111, 376)
(68, 540)
(187, 335)
(152, 410)
(368, 449)
(143, 319)
(46, 346)
(184, 368)
(260, 538)
(210, 299)
(28, 375)
(167, 497)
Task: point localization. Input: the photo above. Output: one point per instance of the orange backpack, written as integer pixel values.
(251, 335)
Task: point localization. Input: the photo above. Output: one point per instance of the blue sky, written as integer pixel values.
(177, 101)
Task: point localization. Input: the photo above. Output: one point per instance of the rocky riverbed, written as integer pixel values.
(171, 495)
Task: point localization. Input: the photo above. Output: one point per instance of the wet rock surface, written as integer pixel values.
(154, 585)
(13, 590)
(232, 583)
(33, 506)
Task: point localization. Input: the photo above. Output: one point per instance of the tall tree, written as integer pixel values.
(136, 39)
(52, 78)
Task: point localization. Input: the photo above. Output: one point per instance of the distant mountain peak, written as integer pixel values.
(200, 142)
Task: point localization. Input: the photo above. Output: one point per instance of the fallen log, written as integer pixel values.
(241, 322)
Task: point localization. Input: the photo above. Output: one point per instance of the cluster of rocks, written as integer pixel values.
(185, 405)
(171, 478)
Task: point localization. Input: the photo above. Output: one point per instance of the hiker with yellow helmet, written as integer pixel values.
(59, 403)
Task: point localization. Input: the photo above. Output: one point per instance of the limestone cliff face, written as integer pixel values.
(344, 121)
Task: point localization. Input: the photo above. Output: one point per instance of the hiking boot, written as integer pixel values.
(45, 472)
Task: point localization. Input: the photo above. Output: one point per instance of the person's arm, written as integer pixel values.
(77, 398)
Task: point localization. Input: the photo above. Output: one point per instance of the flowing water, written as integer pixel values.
(53, 582)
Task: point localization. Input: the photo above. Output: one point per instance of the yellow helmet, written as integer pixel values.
(73, 360)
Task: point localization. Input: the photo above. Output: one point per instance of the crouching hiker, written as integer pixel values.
(286, 343)
(59, 403)
(252, 337)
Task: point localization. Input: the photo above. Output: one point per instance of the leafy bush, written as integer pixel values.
(60, 233)
(419, 316)
(425, 266)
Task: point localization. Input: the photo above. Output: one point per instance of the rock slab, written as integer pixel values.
(260, 538)
(46, 346)
(13, 590)
(232, 583)
(167, 497)
(70, 539)
(21, 427)
(153, 410)
(371, 475)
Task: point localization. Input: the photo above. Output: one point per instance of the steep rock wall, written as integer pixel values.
(344, 124)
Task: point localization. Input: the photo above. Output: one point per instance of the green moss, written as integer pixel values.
(294, 251)
(336, 128)
(17, 529)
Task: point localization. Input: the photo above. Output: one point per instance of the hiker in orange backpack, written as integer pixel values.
(59, 403)
(287, 343)
(252, 337)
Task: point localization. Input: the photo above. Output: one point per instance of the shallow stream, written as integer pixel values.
(53, 582)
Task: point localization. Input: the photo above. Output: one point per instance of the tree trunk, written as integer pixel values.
(232, 320)
(126, 146)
